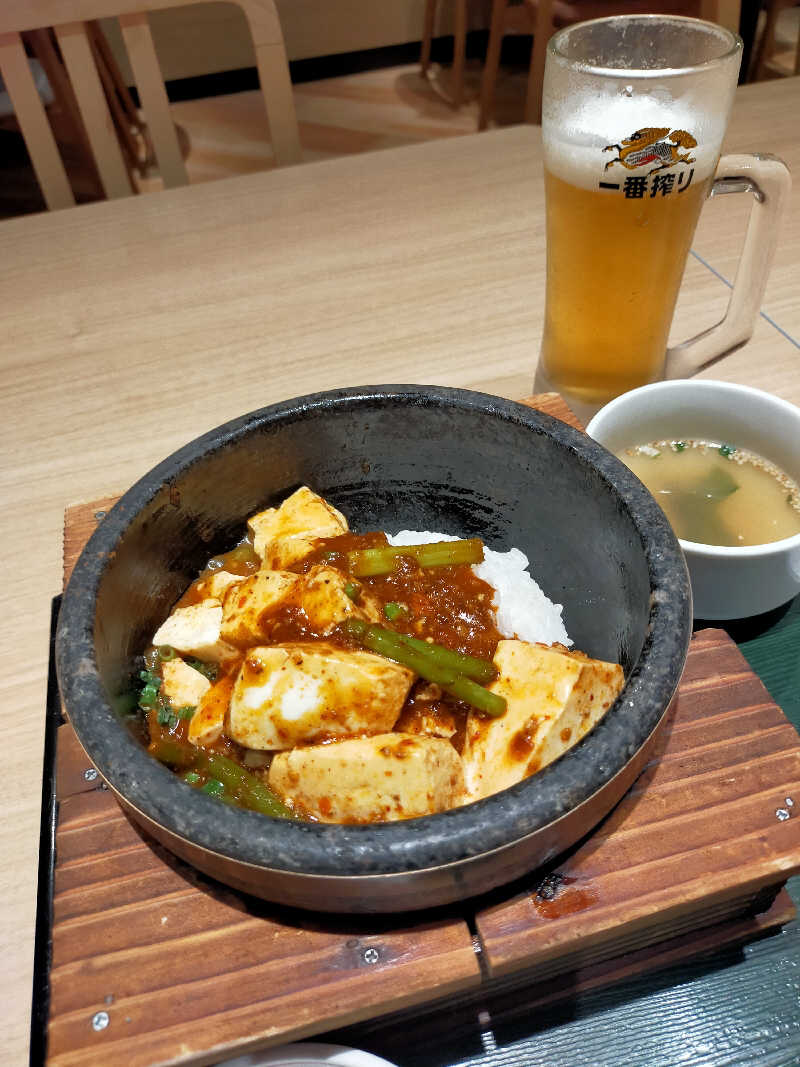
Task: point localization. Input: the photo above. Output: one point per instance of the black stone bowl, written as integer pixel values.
(388, 457)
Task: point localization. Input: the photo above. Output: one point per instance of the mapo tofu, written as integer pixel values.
(315, 673)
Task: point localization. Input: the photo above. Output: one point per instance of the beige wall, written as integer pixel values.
(213, 37)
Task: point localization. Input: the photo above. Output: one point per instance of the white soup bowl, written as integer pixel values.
(727, 583)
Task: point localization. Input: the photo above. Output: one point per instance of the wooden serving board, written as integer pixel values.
(698, 839)
(152, 963)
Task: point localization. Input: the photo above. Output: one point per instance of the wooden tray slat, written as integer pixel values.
(664, 847)
(192, 966)
(191, 972)
(701, 942)
(529, 994)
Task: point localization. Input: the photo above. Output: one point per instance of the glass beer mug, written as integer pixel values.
(634, 112)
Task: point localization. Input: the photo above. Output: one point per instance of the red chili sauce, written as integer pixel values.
(448, 605)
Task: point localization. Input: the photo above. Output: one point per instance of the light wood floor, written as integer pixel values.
(227, 135)
(339, 116)
(369, 111)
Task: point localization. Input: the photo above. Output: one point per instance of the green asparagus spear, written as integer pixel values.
(251, 792)
(426, 662)
(366, 562)
(470, 692)
(480, 670)
(387, 643)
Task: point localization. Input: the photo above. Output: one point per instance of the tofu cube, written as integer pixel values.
(248, 604)
(322, 596)
(216, 584)
(182, 685)
(427, 715)
(369, 779)
(195, 631)
(299, 693)
(286, 534)
(208, 722)
(553, 698)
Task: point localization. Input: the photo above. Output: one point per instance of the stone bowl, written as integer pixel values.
(389, 457)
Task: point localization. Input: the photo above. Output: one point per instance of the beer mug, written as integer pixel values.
(634, 111)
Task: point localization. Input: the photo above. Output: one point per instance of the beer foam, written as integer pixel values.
(575, 133)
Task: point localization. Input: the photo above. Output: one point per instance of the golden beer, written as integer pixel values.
(634, 110)
(614, 267)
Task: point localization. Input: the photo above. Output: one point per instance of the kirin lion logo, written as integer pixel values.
(653, 145)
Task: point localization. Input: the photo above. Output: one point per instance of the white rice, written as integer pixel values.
(521, 608)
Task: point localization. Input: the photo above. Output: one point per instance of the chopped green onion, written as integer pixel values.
(679, 446)
(148, 697)
(150, 678)
(365, 562)
(213, 787)
(353, 591)
(166, 653)
(210, 670)
(191, 777)
(726, 450)
(185, 712)
(167, 718)
(393, 610)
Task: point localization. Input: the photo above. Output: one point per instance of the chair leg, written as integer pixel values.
(427, 35)
(459, 51)
(276, 87)
(766, 41)
(41, 44)
(492, 63)
(543, 29)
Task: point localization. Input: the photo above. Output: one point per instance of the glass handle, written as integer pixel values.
(769, 181)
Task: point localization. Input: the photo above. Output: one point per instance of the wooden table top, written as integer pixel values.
(132, 326)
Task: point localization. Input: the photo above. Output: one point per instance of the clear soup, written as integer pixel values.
(717, 494)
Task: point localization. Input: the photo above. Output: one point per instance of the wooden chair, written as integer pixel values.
(459, 45)
(543, 17)
(766, 40)
(97, 102)
(66, 121)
